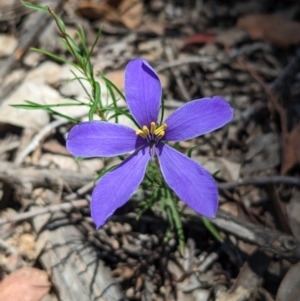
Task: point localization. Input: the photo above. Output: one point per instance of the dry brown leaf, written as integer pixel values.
(131, 12)
(128, 12)
(95, 11)
(271, 28)
(291, 155)
(26, 284)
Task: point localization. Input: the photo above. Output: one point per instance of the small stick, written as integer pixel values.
(20, 177)
(49, 209)
(259, 181)
(188, 60)
(43, 133)
(178, 78)
(84, 189)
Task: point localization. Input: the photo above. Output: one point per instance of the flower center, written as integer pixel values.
(154, 134)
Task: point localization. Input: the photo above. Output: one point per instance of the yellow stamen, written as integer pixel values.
(160, 129)
(161, 134)
(145, 130)
(153, 127)
(141, 133)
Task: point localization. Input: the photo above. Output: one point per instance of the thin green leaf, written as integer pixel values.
(190, 151)
(112, 94)
(162, 206)
(34, 6)
(211, 228)
(54, 56)
(96, 100)
(176, 145)
(97, 91)
(153, 182)
(68, 48)
(167, 235)
(108, 82)
(94, 44)
(82, 85)
(79, 159)
(39, 107)
(122, 112)
(170, 218)
(81, 36)
(178, 224)
(216, 173)
(177, 221)
(73, 44)
(71, 119)
(105, 171)
(92, 110)
(60, 23)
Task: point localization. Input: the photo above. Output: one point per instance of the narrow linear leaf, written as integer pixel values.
(56, 57)
(190, 151)
(211, 228)
(39, 107)
(108, 82)
(34, 6)
(94, 44)
(122, 112)
(103, 172)
(177, 221)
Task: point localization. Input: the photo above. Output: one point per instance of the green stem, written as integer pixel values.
(177, 221)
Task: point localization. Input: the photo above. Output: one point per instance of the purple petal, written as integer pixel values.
(142, 91)
(190, 181)
(197, 117)
(102, 139)
(116, 187)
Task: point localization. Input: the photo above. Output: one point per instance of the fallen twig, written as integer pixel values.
(43, 133)
(49, 209)
(274, 241)
(258, 181)
(186, 95)
(270, 240)
(186, 61)
(26, 178)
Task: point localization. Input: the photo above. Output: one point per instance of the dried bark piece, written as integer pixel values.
(77, 271)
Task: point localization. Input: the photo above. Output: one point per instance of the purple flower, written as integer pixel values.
(189, 180)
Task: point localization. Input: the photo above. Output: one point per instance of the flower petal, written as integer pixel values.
(142, 91)
(190, 181)
(197, 117)
(116, 187)
(99, 138)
